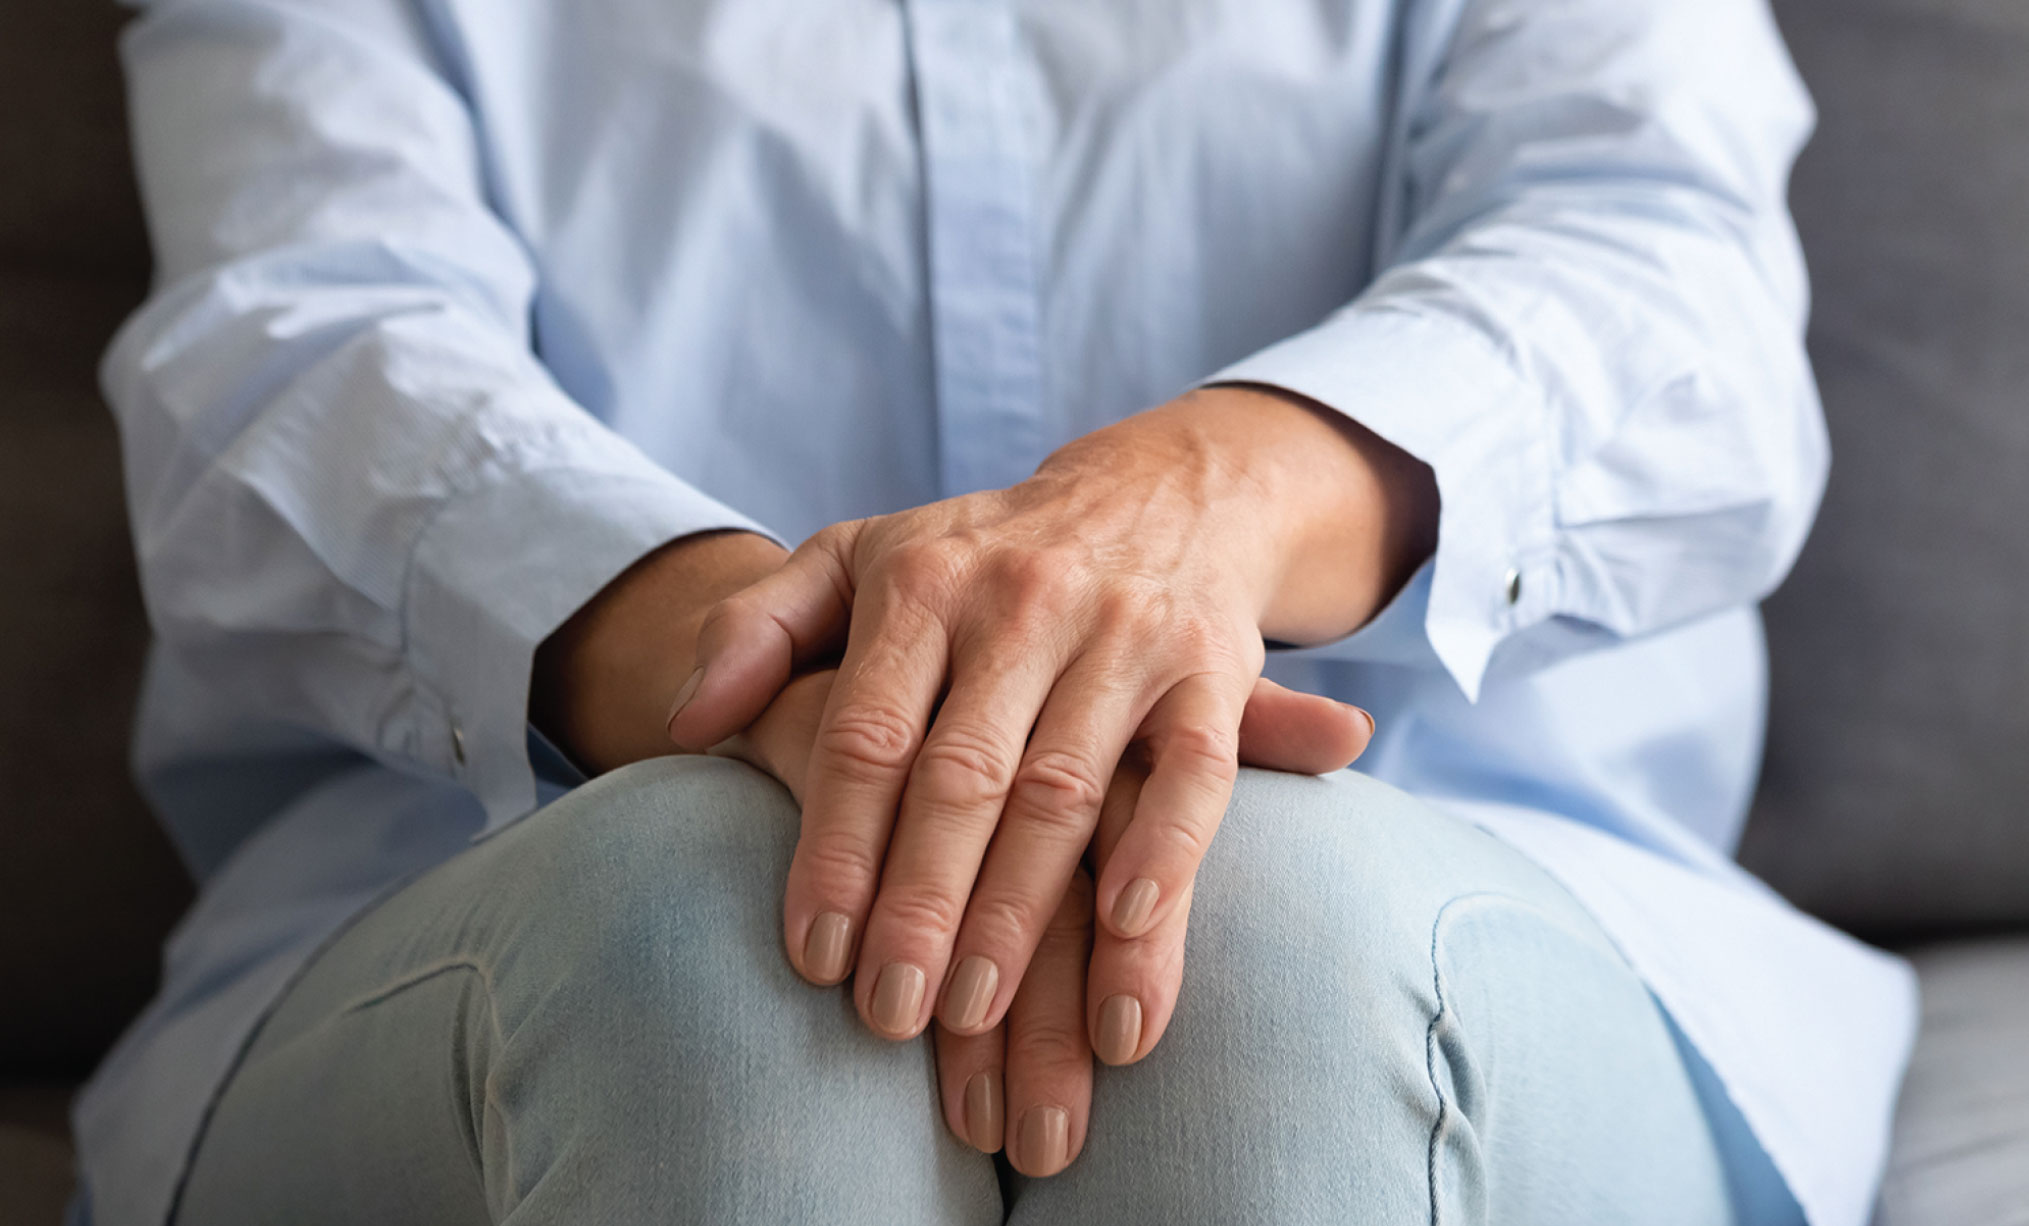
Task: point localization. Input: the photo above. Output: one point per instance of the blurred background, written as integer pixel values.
(1895, 801)
(88, 886)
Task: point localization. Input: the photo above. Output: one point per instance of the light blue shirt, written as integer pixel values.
(462, 305)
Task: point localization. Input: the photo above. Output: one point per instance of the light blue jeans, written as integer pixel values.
(1387, 1017)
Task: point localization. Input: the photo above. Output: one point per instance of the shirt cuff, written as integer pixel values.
(1443, 393)
(499, 569)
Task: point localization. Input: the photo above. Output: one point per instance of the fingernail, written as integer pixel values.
(1369, 717)
(971, 991)
(983, 1112)
(1119, 1029)
(898, 998)
(684, 695)
(1045, 1140)
(1135, 904)
(826, 948)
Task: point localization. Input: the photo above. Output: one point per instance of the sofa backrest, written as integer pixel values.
(1895, 795)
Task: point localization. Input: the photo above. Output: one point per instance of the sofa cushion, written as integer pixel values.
(35, 1155)
(1895, 798)
(1961, 1152)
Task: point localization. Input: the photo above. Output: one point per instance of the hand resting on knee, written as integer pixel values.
(1025, 1082)
(964, 681)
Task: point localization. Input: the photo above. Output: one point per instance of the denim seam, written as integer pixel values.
(1440, 1021)
(1437, 1126)
(1439, 1018)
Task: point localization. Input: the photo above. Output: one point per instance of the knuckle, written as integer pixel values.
(870, 738)
(1000, 919)
(1120, 665)
(1201, 639)
(839, 863)
(920, 910)
(1044, 1039)
(1060, 789)
(962, 766)
(1183, 842)
(1066, 940)
(1033, 590)
(922, 572)
(1133, 606)
(1018, 569)
(1033, 571)
(1202, 749)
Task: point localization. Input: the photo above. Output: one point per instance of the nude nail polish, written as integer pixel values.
(684, 695)
(1135, 904)
(1045, 1140)
(971, 992)
(827, 947)
(898, 998)
(1119, 1029)
(983, 1126)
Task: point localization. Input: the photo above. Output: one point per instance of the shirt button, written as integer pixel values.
(1511, 586)
(458, 744)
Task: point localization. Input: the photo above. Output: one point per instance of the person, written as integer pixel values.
(1141, 384)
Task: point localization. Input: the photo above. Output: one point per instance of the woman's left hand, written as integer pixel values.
(1035, 1067)
(1026, 1083)
(1001, 651)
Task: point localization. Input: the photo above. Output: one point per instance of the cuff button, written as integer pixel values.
(1511, 586)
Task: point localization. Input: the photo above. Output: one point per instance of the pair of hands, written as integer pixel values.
(1034, 1065)
(1042, 701)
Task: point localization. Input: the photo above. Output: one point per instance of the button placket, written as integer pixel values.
(979, 211)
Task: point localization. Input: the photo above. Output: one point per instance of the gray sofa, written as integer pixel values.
(1895, 799)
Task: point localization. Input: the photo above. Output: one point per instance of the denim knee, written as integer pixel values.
(1387, 1008)
(1342, 876)
(655, 886)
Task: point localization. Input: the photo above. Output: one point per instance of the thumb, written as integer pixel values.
(1288, 730)
(750, 642)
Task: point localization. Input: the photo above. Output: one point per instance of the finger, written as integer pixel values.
(749, 642)
(1193, 741)
(1116, 812)
(779, 742)
(1132, 986)
(1049, 1061)
(1309, 734)
(971, 1086)
(949, 812)
(1052, 809)
(873, 722)
(1131, 990)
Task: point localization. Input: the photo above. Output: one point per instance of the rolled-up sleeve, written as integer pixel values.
(1588, 319)
(359, 501)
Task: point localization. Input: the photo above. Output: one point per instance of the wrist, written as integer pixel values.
(1183, 476)
(602, 682)
(1333, 516)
